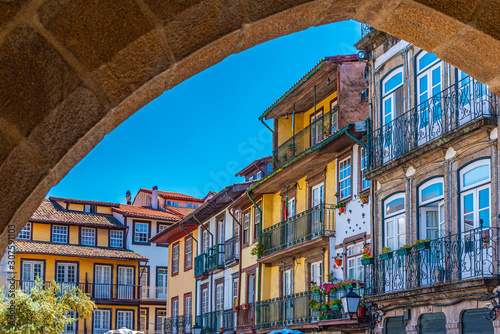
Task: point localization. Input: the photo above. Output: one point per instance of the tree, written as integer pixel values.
(44, 310)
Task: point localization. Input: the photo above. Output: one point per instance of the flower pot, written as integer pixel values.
(338, 262)
(316, 293)
(361, 312)
(364, 200)
(235, 308)
(422, 245)
(348, 286)
(245, 306)
(403, 251)
(385, 256)
(335, 307)
(367, 261)
(342, 209)
(323, 308)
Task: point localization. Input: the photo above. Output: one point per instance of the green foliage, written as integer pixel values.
(257, 250)
(43, 310)
(386, 250)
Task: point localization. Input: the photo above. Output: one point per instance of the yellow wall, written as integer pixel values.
(73, 235)
(41, 232)
(184, 282)
(75, 207)
(102, 237)
(104, 209)
(284, 125)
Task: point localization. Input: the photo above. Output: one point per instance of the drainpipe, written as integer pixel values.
(354, 138)
(260, 240)
(188, 233)
(239, 261)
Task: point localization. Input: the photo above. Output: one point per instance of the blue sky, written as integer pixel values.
(196, 136)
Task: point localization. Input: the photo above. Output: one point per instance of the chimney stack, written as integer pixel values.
(154, 198)
(128, 195)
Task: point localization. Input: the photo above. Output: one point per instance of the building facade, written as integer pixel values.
(433, 166)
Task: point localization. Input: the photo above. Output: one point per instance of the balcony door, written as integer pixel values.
(473, 99)
(66, 275)
(175, 314)
(287, 294)
(102, 321)
(162, 283)
(430, 120)
(431, 209)
(394, 127)
(31, 270)
(102, 282)
(317, 198)
(316, 121)
(125, 282)
(394, 238)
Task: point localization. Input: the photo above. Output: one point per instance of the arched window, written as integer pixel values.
(392, 96)
(475, 194)
(473, 322)
(394, 221)
(431, 208)
(432, 323)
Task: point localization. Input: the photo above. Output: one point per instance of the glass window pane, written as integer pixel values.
(432, 191)
(426, 60)
(476, 175)
(484, 215)
(395, 206)
(388, 109)
(468, 203)
(393, 82)
(389, 228)
(436, 76)
(423, 85)
(484, 198)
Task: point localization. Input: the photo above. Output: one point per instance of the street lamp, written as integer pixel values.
(350, 302)
(196, 329)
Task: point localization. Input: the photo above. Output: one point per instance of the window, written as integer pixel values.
(317, 272)
(475, 195)
(88, 236)
(345, 178)
(431, 209)
(102, 321)
(188, 254)
(144, 273)
(144, 319)
(335, 115)
(25, 233)
(187, 304)
(395, 222)
(355, 269)
(246, 227)
(141, 232)
(256, 222)
(206, 242)
(365, 184)
(161, 279)
(60, 234)
(161, 317)
(175, 259)
(66, 273)
(161, 227)
(204, 301)
(125, 319)
(90, 208)
(219, 297)
(30, 271)
(235, 291)
(392, 102)
(287, 282)
(102, 279)
(290, 208)
(259, 175)
(316, 126)
(236, 227)
(70, 328)
(428, 97)
(220, 231)
(250, 178)
(116, 239)
(175, 307)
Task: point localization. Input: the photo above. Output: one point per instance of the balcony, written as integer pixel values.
(215, 257)
(246, 318)
(310, 224)
(308, 137)
(228, 320)
(365, 29)
(232, 251)
(153, 293)
(452, 113)
(200, 265)
(452, 259)
(178, 325)
(210, 322)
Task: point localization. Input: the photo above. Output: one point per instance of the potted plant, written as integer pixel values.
(235, 308)
(404, 250)
(314, 305)
(386, 253)
(335, 304)
(367, 259)
(258, 250)
(315, 288)
(341, 207)
(422, 244)
(338, 259)
(326, 130)
(363, 198)
(245, 306)
(350, 284)
(292, 148)
(285, 156)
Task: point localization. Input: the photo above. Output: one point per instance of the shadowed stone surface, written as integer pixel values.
(73, 70)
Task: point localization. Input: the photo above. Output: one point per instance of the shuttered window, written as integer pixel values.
(394, 325)
(473, 322)
(432, 323)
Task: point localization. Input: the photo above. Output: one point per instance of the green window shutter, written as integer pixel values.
(394, 325)
(473, 322)
(434, 323)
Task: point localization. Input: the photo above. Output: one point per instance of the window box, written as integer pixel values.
(367, 261)
(316, 293)
(422, 245)
(335, 307)
(351, 286)
(324, 308)
(341, 288)
(403, 251)
(386, 256)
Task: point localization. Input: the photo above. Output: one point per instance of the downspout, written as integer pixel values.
(188, 233)
(354, 138)
(239, 261)
(260, 240)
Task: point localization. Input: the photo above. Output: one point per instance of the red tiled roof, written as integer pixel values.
(39, 247)
(81, 201)
(174, 195)
(178, 210)
(143, 211)
(51, 212)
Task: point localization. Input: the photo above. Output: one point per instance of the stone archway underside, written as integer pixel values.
(72, 70)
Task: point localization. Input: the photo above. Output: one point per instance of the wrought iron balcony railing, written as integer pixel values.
(315, 222)
(229, 320)
(459, 257)
(215, 257)
(310, 136)
(178, 325)
(451, 109)
(232, 250)
(246, 317)
(153, 293)
(200, 265)
(365, 29)
(211, 321)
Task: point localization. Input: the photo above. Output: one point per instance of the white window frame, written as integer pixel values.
(386, 95)
(25, 233)
(219, 293)
(291, 207)
(393, 218)
(99, 316)
(125, 317)
(365, 184)
(475, 189)
(288, 286)
(345, 180)
(175, 258)
(421, 205)
(259, 175)
(58, 236)
(188, 254)
(113, 239)
(204, 301)
(139, 234)
(88, 236)
(319, 278)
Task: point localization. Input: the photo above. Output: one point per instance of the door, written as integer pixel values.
(316, 127)
(219, 305)
(429, 105)
(317, 199)
(175, 315)
(125, 319)
(187, 314)
(66, 275)
(102, 321)
(70, 328)
(220, 232)
(161, 318)
(102, 285)
(31, 271)
(125, 282)
(394, 274)
(288, 294)
(290, 226)
(162, 283)
(251, 289)
(472, 99)
(394, 127)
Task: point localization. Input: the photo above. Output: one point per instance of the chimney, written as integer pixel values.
(154, 198)
(128, 195)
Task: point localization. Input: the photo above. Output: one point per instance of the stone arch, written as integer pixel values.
(72, 70)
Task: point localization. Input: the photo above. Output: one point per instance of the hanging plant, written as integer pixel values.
(258, 250)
